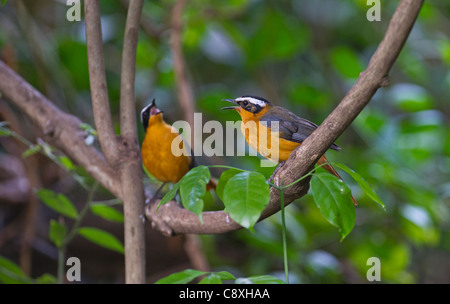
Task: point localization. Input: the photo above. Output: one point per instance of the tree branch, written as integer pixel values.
(99, 91)
(128, 125)
(130, 168)
(185, 95)
(60, 129)
(172, 219)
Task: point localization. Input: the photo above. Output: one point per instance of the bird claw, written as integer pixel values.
(280, 165)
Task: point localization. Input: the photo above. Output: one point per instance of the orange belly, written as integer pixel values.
(267, 143)
(157, 154)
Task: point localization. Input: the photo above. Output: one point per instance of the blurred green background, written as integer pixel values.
(303, 55)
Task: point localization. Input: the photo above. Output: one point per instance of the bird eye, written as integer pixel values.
(245, 103)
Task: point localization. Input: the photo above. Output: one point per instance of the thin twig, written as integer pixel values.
(73, 232)
(283, 232)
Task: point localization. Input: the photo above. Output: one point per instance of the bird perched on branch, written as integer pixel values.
(260, 115)
(156, 149)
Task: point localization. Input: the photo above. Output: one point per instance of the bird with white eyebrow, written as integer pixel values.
(292, 130)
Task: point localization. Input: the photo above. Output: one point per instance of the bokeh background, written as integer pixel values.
(303, 55)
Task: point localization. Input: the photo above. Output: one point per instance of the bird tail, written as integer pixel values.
(329, 168)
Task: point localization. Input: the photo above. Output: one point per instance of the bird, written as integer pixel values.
(292, 130)
(156, 149)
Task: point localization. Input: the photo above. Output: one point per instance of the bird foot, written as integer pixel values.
(280, 165)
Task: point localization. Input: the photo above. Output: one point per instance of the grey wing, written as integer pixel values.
(292, 128)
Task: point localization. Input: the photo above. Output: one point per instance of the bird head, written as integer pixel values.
(150, 112)
(252, 104)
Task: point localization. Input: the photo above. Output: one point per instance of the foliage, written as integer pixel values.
(189, 275)
(59, 234)
(303, 55)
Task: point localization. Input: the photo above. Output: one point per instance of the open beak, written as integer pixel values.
(153, 109)
(229, 108)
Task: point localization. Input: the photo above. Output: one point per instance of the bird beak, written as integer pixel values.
(155, 111)
(152, 109)
(229, 108)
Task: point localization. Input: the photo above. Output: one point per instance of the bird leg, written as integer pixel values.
(156, 193)
(280, 165)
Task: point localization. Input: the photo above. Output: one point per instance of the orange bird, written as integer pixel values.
(258, 114)
(156, 149)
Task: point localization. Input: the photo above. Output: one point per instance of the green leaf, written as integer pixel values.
(58, 202)
(332, 197)
(287, 38)
(88, 128)
(181, 277)
(101, 238)
(211, 279)
(225, 275)
(411, 97)
(4, 2)
(262, 279)
(223, 180)
(57, 233)
(193, 188)
(46, 278)
(66, 163)
(107, 213)
(245, 196)
(346, 62)
(362, 183)
(33, 149)
(169, 195)
(4, 132)
(10, 273)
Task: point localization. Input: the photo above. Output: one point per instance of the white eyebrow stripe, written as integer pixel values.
(252, 100)
(142, 112)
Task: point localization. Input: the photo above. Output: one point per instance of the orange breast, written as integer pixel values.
(157, 154)
(263, 140)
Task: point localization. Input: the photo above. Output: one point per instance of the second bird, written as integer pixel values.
(156, 149)
(292, 130)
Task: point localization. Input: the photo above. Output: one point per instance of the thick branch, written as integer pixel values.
(60, 129)
(97, 78)
(130, 168)
(172, 219)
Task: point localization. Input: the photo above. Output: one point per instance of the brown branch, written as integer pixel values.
(130, 168)
(147, 26)
(194, 250)
(122, 153)
(172, 219)
(127, 101)
(60, 129)
(185, 94)
(97, 78)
